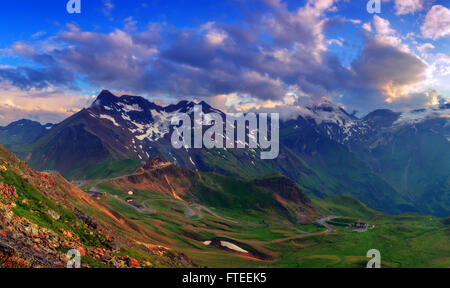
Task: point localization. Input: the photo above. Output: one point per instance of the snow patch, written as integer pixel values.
(232, 247)
(107, 117)
(156, 130)
(128, 108)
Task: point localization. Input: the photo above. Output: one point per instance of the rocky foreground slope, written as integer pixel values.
(42, 217)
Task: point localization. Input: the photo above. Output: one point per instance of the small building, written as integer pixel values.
(358, 225)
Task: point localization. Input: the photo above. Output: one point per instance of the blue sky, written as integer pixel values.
(235, 54)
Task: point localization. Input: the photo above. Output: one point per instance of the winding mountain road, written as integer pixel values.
(194, 209)
(190, 213)
(323, 222)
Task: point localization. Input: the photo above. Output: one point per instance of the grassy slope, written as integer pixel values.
(407, 240)
(404, 241)
(418, 165)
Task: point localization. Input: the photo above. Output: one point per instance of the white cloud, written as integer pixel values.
(38, 34)
(382, 26)
(438, 73)
(403, 7)
(108, 6)
(214, 35)
(437, 23)
(425, 48)
(335, 41)
(130, 24)
(306, 23)
(367, 27)
(385, 34)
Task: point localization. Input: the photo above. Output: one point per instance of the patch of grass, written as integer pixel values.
(110, 169)
(93, 263)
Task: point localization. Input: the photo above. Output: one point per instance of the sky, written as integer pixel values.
(237, 55)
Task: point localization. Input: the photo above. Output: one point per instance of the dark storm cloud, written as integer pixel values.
(380, 64)
(381, 67)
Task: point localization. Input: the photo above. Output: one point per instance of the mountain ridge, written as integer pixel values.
(326, 150)
(22, 132)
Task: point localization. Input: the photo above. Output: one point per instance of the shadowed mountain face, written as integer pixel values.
(394, 162)
(409, 152)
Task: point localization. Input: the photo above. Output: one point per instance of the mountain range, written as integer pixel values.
(134, 201)
(22, 132)
(393, 162)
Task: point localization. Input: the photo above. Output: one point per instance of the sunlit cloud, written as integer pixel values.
(437, 23)
(43, 105)
(403, 7)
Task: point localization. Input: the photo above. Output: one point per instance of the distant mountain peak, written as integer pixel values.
(104, 98)
(106, 93)
(381, 113)
(23, 122)
(22, 132)
(445, 106)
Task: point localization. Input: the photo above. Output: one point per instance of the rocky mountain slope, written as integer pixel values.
(42, 217)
